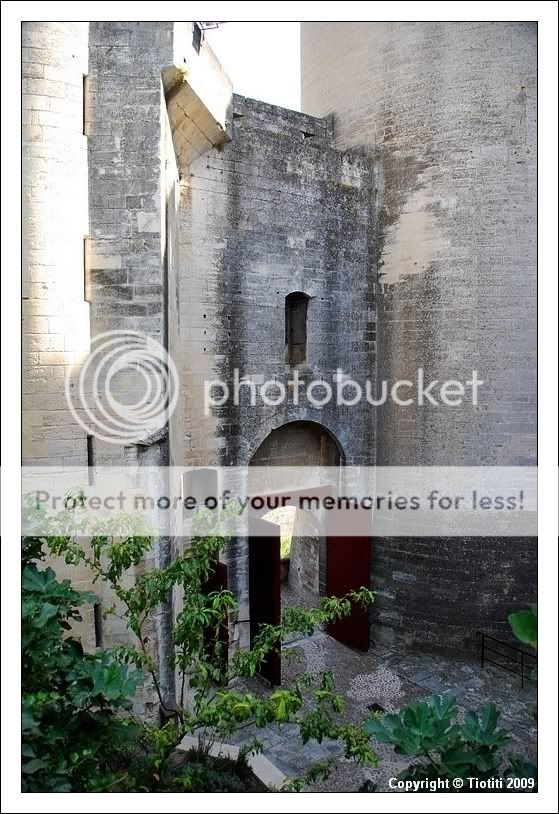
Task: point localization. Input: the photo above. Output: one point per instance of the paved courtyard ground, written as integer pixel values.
(391, 679)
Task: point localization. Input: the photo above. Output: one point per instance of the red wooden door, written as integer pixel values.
(264, 587)
(348, 567)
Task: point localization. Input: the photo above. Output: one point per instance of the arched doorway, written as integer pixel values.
(300, 537)
(296, 455)
(299, 443)
(310, 459)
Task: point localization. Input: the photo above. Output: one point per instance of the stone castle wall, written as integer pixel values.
(55, 224)
(447, 112)
(277, 210)
(422, 179)
(55, 314)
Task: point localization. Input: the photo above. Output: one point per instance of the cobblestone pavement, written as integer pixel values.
(393, 680)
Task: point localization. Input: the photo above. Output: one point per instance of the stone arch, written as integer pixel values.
(309, 443)
(298, 416)
(309, 448)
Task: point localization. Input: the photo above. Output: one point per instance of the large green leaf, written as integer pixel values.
(32, 766)
(525, 626)
(481, 727)
(418, 728)
(36, 581)
(47, 613)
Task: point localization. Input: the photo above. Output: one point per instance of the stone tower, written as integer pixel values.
(447, 112)
(56, 222)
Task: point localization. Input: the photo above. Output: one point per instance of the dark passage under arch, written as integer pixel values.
(335, 563)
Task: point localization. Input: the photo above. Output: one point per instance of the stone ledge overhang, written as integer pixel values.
(199, 106)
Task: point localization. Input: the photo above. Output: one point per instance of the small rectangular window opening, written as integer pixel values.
(86, 273)
(85, 105)
(196, 37)
(90, 459)
(296, 328)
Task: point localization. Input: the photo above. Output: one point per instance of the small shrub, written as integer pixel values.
(74, 739)
(70, 699)
(446, 748)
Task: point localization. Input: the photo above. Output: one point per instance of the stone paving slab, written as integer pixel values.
(393, 680)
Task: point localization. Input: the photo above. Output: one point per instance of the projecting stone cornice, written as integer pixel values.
(199, 104)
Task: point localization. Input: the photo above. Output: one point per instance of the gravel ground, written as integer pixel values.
(391, 679)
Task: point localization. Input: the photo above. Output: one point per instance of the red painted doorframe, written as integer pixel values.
(348, 568)
(348, 561)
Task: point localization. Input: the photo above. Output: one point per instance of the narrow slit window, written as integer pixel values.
(86, 271)
(196, 37)
(296, 305)
(90, 462)
(85, 105)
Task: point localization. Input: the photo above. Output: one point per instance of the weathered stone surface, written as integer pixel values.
(423, 179)
(195, 129)
(282, 218)
(392, 678)
(54, 167)
(447, 111)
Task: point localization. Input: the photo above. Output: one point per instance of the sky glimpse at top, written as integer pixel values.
(262, 59)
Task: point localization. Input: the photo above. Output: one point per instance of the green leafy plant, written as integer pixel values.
(70, 699)
(524, 625)
(206, 704)
(320, 770)
(444, 746)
